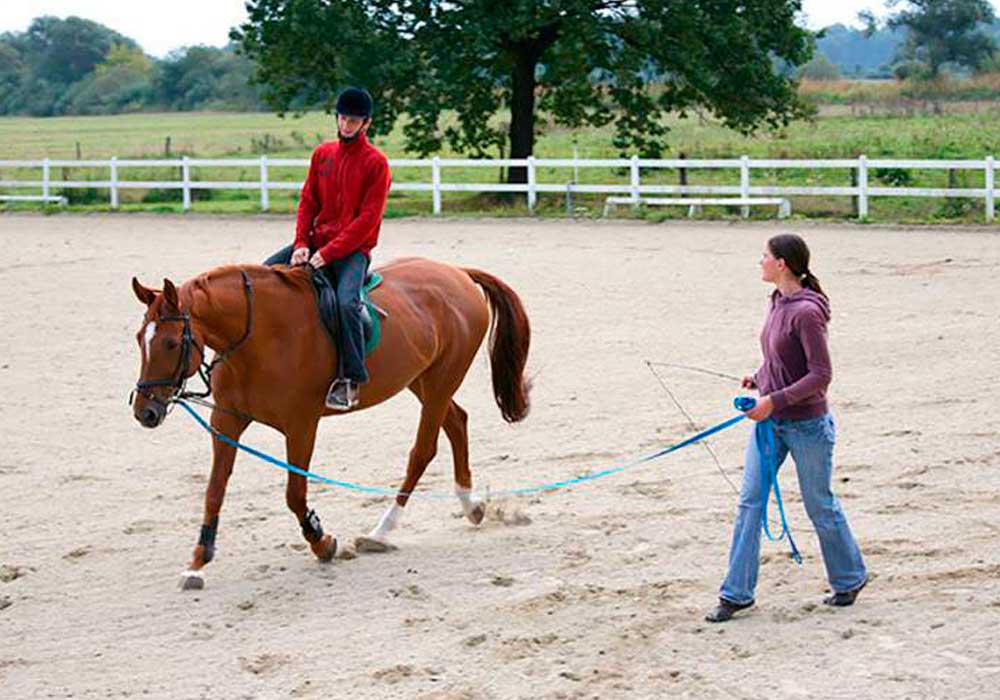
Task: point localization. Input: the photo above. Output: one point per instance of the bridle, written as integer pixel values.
(178, 378)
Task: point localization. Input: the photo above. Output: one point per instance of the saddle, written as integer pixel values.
(371, 315)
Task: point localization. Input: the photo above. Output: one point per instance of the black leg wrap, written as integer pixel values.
(311, 529)
(207, 539)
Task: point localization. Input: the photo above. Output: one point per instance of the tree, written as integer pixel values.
(859, 53)
(578, 62)
(65, 50)
(122, 83)
(940, 33)
(11, 72)
(819, 68)
(203, 77)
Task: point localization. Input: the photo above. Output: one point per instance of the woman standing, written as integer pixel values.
(792, 382)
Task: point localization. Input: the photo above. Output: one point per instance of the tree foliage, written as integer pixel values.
(940, 33)
(574, 62)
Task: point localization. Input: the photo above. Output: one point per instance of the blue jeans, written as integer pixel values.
(347, 275)
(810, 442)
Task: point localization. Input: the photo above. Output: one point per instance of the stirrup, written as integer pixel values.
(342, 395)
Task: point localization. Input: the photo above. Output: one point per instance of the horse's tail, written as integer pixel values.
(510, 335)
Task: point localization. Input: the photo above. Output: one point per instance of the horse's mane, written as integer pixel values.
(267, 278)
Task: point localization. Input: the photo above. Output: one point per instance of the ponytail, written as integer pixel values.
(810, 281)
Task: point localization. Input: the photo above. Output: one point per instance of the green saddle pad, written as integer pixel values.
(373, 324)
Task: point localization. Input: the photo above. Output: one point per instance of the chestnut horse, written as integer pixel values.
(274, 362)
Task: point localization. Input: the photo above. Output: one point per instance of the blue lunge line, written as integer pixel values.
(550, 486)
(766, 446)
(281, 463)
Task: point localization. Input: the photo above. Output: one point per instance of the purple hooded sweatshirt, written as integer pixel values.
(796, 369)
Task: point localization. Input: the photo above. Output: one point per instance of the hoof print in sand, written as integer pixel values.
(372, 546)
(263, 663)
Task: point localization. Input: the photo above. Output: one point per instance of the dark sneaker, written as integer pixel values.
(844, 598)
(725, 610)
(343, 395)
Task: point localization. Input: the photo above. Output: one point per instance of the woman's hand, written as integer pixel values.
(300, 256)
(763, 409)
(748, 382)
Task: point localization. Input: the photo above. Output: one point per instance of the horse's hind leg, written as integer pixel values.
(424, 449)
(455, 427)
(299, 444)
(223, 456)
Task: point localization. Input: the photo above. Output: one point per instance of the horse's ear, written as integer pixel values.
(146, 296)
(170, 294)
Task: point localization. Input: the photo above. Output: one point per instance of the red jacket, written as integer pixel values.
(343, 199)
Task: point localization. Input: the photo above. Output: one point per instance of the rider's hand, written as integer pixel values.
(317, 260)
(748, 382)
(763, 409)
(300, 256)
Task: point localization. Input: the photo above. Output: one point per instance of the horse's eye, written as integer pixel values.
(171, 344)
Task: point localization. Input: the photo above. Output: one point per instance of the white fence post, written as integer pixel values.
(990, 198)
(862, 187)
(186, 177)
(114, 182)
(264, 200)
(45, 181)
(745, 184)
(532, 193)
(634, 180)
(436, 184)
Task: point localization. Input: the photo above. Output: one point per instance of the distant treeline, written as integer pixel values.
(844, 52)
(76, 66)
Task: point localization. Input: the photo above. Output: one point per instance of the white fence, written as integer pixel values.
(861, 166)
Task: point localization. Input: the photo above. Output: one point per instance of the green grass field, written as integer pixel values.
(952, 136)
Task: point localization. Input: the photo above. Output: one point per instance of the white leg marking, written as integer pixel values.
(390, 520)
(192, 580)
(469, 500)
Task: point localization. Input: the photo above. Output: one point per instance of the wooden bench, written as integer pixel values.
(694, 204)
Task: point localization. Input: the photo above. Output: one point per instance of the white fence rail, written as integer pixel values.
(859, 189)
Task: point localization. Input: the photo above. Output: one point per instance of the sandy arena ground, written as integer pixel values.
(593, 592)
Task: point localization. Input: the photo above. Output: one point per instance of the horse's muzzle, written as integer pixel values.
(150, 415)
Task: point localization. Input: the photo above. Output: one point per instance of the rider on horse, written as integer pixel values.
(340, 214)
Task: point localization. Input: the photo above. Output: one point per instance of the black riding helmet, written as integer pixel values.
(355, 102)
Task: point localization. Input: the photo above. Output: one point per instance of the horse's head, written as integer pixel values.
(169, 350)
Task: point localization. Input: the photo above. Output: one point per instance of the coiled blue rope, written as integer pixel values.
(767, 451)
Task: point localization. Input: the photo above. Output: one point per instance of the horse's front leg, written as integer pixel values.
(299, 444)
(223, 456)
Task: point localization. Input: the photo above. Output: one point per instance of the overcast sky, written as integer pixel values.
(162, 25)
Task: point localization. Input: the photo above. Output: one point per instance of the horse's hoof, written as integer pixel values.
(477, 513)
(192, 581)
(346, 553)
(372, 545)
(326, 548)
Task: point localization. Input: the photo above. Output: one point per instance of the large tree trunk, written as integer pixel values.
(522, 110)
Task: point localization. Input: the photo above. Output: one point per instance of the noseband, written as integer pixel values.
(178, 378)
